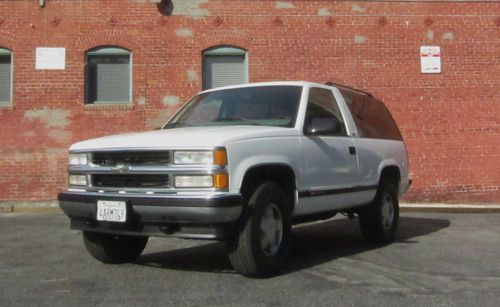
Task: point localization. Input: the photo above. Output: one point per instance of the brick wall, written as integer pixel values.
(450, 120)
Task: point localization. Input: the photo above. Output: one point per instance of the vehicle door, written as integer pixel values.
(330, 165)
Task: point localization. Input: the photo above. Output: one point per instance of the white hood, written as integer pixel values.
(179, 138)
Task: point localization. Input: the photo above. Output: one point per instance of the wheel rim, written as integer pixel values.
(387, 212)
(271, 229)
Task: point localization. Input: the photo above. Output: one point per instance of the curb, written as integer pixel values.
(450, 208)
(30, 207)
(53, 207)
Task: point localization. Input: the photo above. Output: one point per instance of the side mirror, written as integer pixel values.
(323, 126)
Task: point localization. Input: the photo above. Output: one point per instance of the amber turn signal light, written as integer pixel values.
(221, 181)
(220, 156)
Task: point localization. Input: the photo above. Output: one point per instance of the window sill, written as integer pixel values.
(108, 106)
(6, 107)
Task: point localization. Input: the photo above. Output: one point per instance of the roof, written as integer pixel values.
(254, 84)
(329, 83)
(287, 83)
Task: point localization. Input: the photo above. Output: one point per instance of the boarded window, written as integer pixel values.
(223, 66)
(5, 76)
(108, 76)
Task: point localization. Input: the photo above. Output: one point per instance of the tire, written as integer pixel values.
(379, 220)
(263, 241)
(114, 249)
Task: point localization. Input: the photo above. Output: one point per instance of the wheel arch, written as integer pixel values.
(390, 173)
(282, 174)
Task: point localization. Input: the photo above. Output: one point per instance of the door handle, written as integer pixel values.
(352, 150)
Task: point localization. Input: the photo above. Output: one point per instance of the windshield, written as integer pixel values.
(262, 105)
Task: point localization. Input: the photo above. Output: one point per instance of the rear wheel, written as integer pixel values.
(379, 220)
(109, 248)
(261, 247)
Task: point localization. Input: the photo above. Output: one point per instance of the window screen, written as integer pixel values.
(224, 66)
(108, 77)
(5, 76)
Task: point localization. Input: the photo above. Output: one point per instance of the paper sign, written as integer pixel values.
(50, 58)
(430, 59)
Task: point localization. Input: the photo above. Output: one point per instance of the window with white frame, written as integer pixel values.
(223, 66)
(5, 77)
(108, 76)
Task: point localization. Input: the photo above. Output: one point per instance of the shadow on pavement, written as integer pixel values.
(313, 244)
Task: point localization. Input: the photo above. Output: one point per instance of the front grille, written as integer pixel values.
(113, 158)
(130, 181)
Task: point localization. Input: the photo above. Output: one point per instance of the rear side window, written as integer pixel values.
(371, 116)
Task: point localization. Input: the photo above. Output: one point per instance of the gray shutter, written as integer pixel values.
(224, 70)
(113, 82)
(5, 78)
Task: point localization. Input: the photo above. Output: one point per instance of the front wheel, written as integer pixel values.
(109, 248)
(379, 220)
(261, 247)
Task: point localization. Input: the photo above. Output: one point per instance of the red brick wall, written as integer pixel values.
(450, 120)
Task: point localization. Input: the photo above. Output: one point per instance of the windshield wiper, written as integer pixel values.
(229, 119)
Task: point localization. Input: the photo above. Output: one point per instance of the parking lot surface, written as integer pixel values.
(438, 259)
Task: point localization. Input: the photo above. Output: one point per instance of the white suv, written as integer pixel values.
(241, 164)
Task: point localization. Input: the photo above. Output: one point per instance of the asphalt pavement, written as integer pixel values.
(439, 259)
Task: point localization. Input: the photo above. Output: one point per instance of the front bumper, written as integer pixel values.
(193, 216)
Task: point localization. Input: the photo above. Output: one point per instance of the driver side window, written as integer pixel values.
(323, 116)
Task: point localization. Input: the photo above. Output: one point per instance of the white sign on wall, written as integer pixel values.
(50, 58)
(430, 59)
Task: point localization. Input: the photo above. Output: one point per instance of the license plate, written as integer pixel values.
(111, 211)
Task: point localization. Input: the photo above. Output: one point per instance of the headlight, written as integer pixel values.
(217, 157)
(80, 180)
(196, 181)
(78, 159)
(193, 157)
(218, 181)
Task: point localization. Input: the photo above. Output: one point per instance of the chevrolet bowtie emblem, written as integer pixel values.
(121, 168)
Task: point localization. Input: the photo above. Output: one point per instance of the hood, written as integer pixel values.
(179, 138)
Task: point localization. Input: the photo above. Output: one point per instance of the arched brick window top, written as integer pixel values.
(225, 49)
(109, 49)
